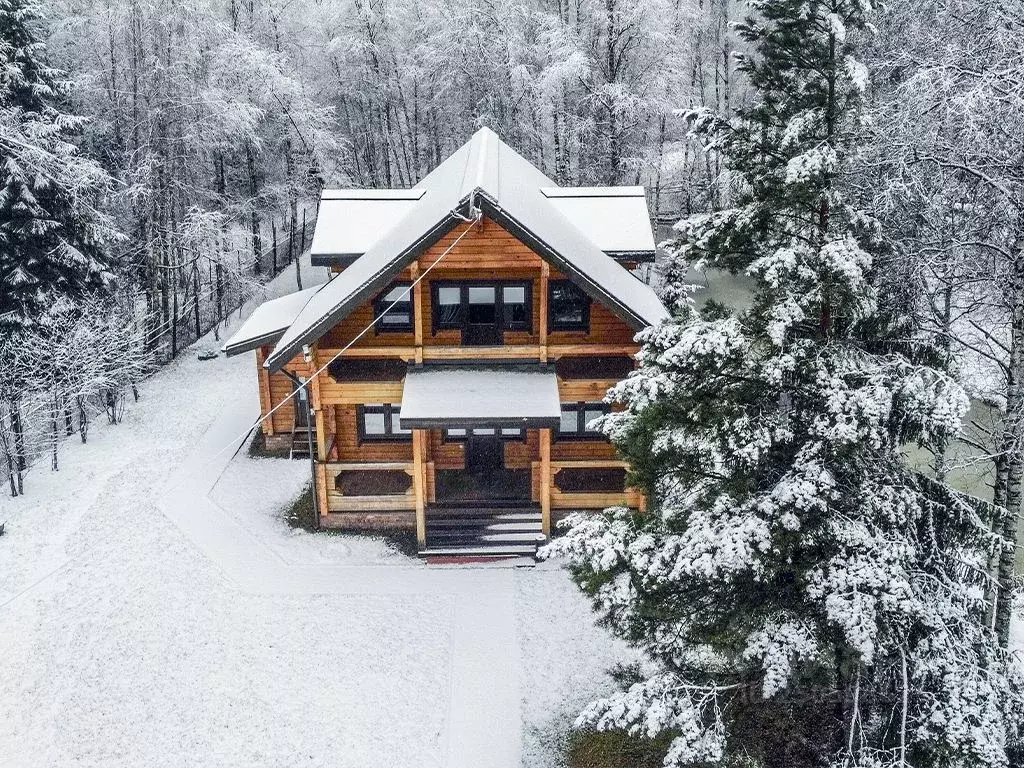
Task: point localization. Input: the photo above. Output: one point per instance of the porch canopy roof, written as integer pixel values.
(477, 396)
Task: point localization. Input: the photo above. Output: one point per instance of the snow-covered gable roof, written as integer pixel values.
(350, 221)
(616, 219)
(267, 322)
(487, 173)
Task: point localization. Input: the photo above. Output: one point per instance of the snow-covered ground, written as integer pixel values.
(156, 610)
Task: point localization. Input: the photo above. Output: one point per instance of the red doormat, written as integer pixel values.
(467, 560)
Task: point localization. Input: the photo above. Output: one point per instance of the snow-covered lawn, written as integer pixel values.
(156, 610)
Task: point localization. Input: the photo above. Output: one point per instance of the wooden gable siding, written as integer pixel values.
(488, 252)
(345, 331)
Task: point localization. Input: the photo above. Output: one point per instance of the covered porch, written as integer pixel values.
(481, 440)
(484, 455)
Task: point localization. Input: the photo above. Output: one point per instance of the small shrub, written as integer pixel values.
(615, 749)
(300, 514)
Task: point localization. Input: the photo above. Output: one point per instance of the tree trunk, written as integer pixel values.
(195, 290)
(292, 211)
(20, 463)
(174, 316)
(254, 189)
(1012, 455)
(83, 419)
(54, 432)
(273, 242)
(69, 427)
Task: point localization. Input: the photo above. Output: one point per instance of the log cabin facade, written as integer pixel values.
(464, 345)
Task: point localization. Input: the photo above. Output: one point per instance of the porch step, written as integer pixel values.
(435, 512)
(480, 531)
(497, 523)
(446, 517)
(300, 442)
(519, 550)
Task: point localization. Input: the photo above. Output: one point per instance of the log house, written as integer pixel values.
(469, 333)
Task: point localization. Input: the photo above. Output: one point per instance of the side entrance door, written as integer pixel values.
(300, 404)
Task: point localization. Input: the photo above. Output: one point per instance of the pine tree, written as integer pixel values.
(50, 237)
(804, 597)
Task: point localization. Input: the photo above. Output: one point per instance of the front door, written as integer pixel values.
(482, 328)
(484, 453)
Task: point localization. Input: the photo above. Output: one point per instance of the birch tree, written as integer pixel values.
(949, 160)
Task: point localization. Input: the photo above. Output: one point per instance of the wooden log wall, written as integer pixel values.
(276, 389)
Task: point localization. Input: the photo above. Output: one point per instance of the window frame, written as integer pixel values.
(517, 438)
(555, 325)
(379, 304)
(463, 286)
(390, 411)
(580, 408)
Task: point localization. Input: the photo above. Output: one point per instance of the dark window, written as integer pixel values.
(379, 421)
(569, 307)
(515, 300)
(499, 305)
(483, 305)
(614, 368)
(586, 480)
(459, 434)
(447, 306)
(363, 369)
(576, 417)
(371, 482)
(393, 308)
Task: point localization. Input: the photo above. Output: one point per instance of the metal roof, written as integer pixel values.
(474, 396)
(267, 322)
(350, 221)
(484, 172)
(616, 219)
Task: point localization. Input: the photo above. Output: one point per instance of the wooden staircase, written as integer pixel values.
(483, 529)
(300, 442)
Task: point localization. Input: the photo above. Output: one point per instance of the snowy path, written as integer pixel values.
(483, 724)
(155, 610)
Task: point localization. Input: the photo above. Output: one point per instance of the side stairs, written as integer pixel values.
(483, 529)
(299, 448)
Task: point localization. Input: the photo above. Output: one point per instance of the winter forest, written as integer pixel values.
(827, 573)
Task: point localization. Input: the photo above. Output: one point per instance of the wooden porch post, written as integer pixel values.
(545, 481)
(318, 410)
(417, 311)
(417, 481)
(545, 274)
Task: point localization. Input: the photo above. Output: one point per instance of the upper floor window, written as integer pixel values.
(569, 307)
(575, 420)
(483, 311)
(379, 422)
(393, 308)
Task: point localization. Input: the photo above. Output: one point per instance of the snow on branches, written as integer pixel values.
(804, 597)
(78, 359)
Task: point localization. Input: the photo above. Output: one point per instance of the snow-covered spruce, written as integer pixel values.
(805, 598)
(50, 233)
